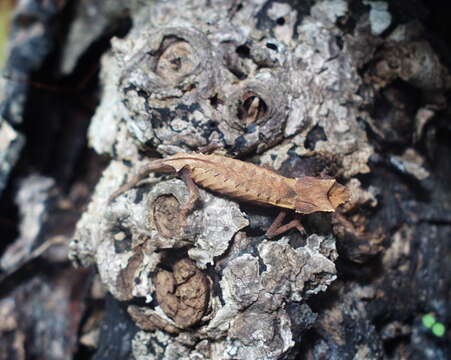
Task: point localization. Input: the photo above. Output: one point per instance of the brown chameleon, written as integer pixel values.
(248, 182)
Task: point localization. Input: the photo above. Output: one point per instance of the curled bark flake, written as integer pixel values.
(255, 115)
(183, 294)
(172, 60)
(411, 163)
(297, 273)
(148, 320)
(252, 109)
(241, 282)
(166, 216)
(414, 62)
(357, 243)
(125, 280)
(176, 61)
(258, 335)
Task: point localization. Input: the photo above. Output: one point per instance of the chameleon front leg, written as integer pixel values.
(193, 191)
(277, 228)
(209, 149)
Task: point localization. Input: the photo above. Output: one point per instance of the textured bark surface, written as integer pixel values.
(352, 90)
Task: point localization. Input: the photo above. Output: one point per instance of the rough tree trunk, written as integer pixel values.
(354, 90)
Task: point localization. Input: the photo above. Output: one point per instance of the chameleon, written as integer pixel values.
(245, 181)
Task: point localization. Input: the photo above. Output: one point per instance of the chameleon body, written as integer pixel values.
(249, 182)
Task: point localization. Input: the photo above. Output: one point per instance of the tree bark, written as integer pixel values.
(353, 90)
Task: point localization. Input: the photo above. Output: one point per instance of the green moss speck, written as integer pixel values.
(428, 320)
(438, 329)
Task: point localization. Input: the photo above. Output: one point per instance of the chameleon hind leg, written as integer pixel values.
(193, 191)
(277, 228)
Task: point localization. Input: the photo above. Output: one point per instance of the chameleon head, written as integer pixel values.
(316, 195)
(338, 194)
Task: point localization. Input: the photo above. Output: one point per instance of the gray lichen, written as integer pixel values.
(33, 199)
(380, 17)
(11, 143)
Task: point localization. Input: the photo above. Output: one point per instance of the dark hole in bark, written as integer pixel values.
(143, 94)
(177, 62)
(243, 51)
(122, 240)
(391, 345)
(239, 74)
(215, 101)
(251, 109)
(280, 21)
(189, 87)
(271, 46)
(170, 256)
(26, 21)
(9, 217)
(340, 42)
(315, 135)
